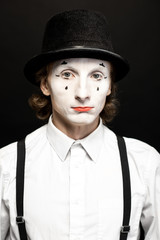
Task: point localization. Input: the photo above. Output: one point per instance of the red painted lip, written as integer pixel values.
(82, 109)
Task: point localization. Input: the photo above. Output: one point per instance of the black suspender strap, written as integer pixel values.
(126, 189)
(20, 188)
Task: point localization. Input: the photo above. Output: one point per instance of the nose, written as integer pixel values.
(82, 93)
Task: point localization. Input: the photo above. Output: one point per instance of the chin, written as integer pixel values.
(85, 120)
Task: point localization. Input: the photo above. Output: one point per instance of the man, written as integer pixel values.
(73, 187)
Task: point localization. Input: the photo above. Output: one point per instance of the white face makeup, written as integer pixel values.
(78, 88)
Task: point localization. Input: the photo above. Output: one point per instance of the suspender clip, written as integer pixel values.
(125, 229)
(19, 220)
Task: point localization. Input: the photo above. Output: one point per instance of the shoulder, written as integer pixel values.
(8, 154)
(36, 137)
(139, 147)
(137, 150)
(143, 152)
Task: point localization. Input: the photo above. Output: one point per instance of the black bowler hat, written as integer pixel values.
(74, 34)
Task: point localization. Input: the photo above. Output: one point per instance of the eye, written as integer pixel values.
(67, 75)
(97, 76)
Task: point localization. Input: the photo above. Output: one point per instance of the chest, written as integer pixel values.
(81, 197)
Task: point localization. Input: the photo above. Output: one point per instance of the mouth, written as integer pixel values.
(82, 109)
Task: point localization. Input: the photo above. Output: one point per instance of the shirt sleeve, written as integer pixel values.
(4, 215)
(150, 218)
(5, 164)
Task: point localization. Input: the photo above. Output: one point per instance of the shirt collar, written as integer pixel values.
(61, 143)
(94, 142)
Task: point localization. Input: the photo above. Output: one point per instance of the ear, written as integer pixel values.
(45, 87)
(109, 91)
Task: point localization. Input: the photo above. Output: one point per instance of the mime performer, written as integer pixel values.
(81, 181)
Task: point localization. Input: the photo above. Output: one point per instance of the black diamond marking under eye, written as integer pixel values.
(66, 87)
(64, 62)
(57, 75)
(101, 64)
(97, 88)
(105, 77)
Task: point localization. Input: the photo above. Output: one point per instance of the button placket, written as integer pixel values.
(77, 178)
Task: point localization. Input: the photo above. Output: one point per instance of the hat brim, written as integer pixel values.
(120, 64)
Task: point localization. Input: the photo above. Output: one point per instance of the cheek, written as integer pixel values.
(100, 96)
(61, 87)
(61, 94)
(102, 90)
(56, 89)
(100, 101)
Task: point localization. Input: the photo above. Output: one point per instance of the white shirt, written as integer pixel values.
(73, 189)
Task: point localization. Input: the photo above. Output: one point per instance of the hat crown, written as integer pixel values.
(76, 33)
(77, 28)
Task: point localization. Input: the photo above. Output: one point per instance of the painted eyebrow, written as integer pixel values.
(64, 62)
(101, 64)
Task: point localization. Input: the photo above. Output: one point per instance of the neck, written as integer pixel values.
(75, 131)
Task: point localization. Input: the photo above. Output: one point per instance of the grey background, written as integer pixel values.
(135, 34)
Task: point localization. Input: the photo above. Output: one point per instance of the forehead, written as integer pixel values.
(82, 63)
